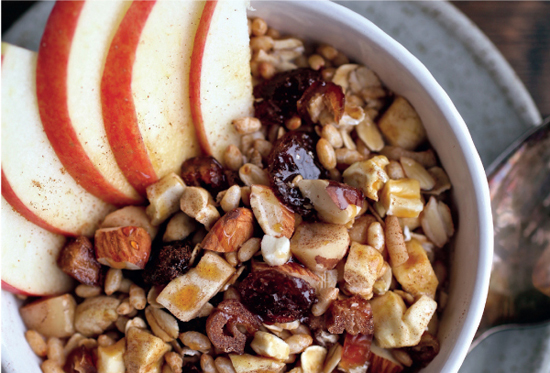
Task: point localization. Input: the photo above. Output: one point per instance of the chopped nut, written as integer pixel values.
(341, 75)
(359, 231)
(130, 216)
(95, 315)
(233, 158)
(395, 171)
(37, 342)
(275, 251)
(345, 156)
(251, 364)
(326, 154)
(230, 232)
(179, 227)
(251, 174)
(402, 126)
(395, 242)
(247, 125)
(298, 343)
(369, 133)
(334, 202)
(402, 198)
(268, 345)
(144, 351)
(198, 204)
(312, 359)
(414, 170)
(55, 350)
(363, 267)
(369, 176)
(123, 247)
(137, 297)
(113, 280)
(248, 249)
(425, 158)
(51, 317)
(382, 285)
(320, 246)
(274, 218)
(442, 182)
(292, 269)
(77, 259)
(110, 359)
(437, 222)
(164, 198)
(324, 300)
(333, 358)
(87, 291)
(258, 27)
(196, 341)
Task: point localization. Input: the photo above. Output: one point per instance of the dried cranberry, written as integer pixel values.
(322, 96)
(425, 351)
(276, 297)
(80, 360)
(171, 261)
(293, 155)
(280, 94)
(205, 172)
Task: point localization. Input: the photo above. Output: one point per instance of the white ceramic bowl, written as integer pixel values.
(471, 258)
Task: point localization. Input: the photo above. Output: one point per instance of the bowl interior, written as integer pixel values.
(405, 75)
(400, 71)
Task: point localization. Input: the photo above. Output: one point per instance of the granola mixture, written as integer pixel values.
(317, 245)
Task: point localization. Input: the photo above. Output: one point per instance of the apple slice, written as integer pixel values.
(34, 181)
(29, 257)
(220, 79)
(145, 90)
(68, 79)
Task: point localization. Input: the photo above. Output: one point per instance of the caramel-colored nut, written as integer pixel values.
(231, 231)
(123, 247)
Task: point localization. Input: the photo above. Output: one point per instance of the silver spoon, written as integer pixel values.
(519, 291)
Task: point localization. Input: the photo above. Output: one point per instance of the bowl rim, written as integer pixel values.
(473, 162)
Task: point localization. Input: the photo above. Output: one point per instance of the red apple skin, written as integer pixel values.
(51, 89)
(21, 208)
(14, 290)
(195, 75)
(119, 113)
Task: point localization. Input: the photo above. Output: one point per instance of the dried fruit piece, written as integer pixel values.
(205, 172)
(51, 317)
(269, 345)
(170, 261)
(254, 364)
(123, 247)
(77, 259)
(292, 269)
(425, 351)
(369, 175)
(414, 170)
(280, 95)
(397, 326)
(356, 353)
(416, 275)
(164, 197)
(80, 360)
(230, 231)
(228, 316)
(354, 315)
(144, 351)
(293, 155)
(322, 103)
(95, 315)
(312, 359)
(185, 295)
(276, 297)
(401, 198)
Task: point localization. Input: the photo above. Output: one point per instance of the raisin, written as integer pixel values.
(425, 351)
(205, 172)
(276, 297)
(171, 261)
(80, 360)
(276, 98)
(77, 259)
(293, 155)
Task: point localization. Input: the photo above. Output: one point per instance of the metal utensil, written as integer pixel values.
(519, 291)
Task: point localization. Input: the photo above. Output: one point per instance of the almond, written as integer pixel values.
(123, 247)
(230, 231)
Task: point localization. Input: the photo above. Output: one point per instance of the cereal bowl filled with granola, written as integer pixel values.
(314, 203)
